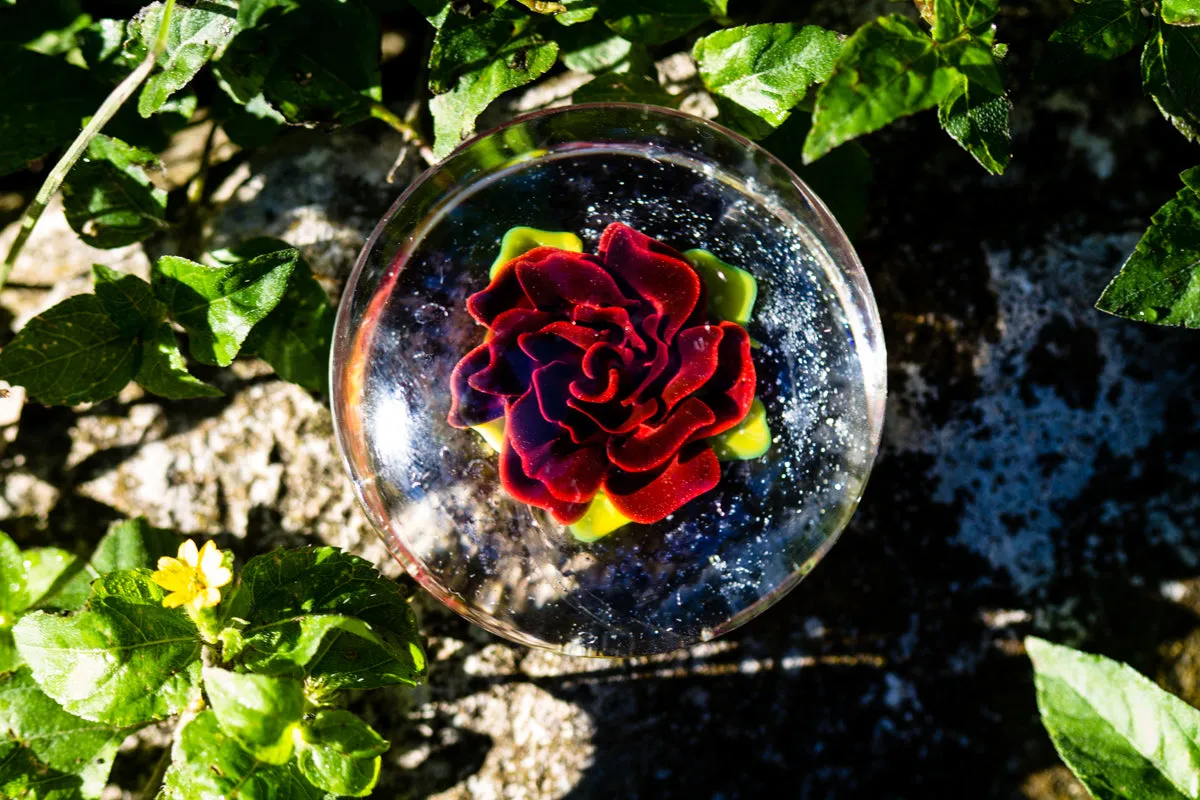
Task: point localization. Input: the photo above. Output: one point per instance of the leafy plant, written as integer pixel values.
(252, 672)
(1118, 732)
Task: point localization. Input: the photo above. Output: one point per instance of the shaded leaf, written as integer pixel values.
(102, 45)
(659, 21)
(14, 594)
(108, 198)
(70, 353)
(208, 762)
(60, 740)
(952, 17)
(132, 544)
(219, 305)
(625, 88)
(197, 33)
(295, 338)
(23, 777)
(1119, 733)
(766, 69)
(888, 69)
(42, 102)
(590, 48)
(1160, 281)
(124, 660)
(127, 299)
(341, 754)
(977, 119)
(257, 710)
(164, 372)
(577, 11)
(1181, 12)
(1171, 76)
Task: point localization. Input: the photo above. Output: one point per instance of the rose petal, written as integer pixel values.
(654, 271)
(730, 391)
(468, 406)
(556, 279)
(527, 490)
(616, 318)
(648, 497)
(651, 446)
(509, 368)
(596, 390)
(550, 387)
(558, 341)
(698, 353)
(504, 293)
(616, 417)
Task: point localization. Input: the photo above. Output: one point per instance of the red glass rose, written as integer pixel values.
(610, 375)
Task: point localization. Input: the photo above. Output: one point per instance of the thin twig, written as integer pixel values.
(108, 108)
(411, 134)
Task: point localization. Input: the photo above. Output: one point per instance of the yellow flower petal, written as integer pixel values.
(188, 553)
(173, 580)
(218, 577)
(210, 557)
(176, 599)
(212, 596)
(166, 562)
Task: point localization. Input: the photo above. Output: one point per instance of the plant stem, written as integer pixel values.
(411, 135)
(107, 110)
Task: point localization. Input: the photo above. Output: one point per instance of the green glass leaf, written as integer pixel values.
(953, 17)
(328, 615)
(600, 519)
(732, 291)
(659, 21)
(766, 69)
(888, 69)
(295, 338)
(71, 353)
(218, 306)
(1119, 733)
(127, 299)
(108, 198)
(23, 777)
(1101, 29)
(317, 67)
(977, 119)
(340, 753)
(257, 710)
(164, 372)
(196, 34)
(60, 740)
(1181, 12)
(1171, 76)
(519, 61)
(208, 762)
(1160, 281)
(42, 102)
(521, 239)
(749, 439)
(124, 660)
(616, 87)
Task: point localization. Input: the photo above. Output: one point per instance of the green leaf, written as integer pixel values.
(659, 21)
(1181, 12)
(520, 61)
(341, 754)
(42, 102)
(127, 299)
(1119, 733)
(295, 338)
(208, 762)
(331, 616)
(60, 740)
(132, 544)
(318, 67)
(23, 777)
(124, 660)
(196, 34)
(1171, 76)
(953, 17)
(888, 69)
(218, 306)
(14, 595)
(977, 119)
(464, 43)
(577, 11)
(108, 198)
(766, 69)
(625, 88)
(1160, 281)
(71, 353)
(47, 570)
(102, 45)
(164, 372)
(257, 710)
(594, 49)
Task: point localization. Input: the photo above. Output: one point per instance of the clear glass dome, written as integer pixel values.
(763, 501)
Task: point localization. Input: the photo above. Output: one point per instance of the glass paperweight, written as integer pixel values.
(608, 380)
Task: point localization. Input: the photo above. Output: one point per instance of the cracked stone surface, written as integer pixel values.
(1038, 475)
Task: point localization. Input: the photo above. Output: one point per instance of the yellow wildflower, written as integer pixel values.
(194, 578)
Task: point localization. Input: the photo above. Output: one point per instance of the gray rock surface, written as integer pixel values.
(1038, 474)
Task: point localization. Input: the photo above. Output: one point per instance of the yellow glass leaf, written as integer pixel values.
(492, 433)
(601, 519)
(731, 290)
(749, 439)
(521, 240)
